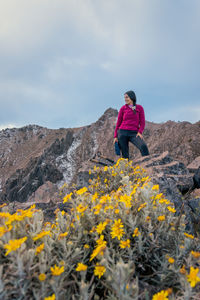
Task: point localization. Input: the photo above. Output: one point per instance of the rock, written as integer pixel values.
(44, 194)
(194, 165)
(196, 179)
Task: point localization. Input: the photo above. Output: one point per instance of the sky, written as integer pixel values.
(64, 62)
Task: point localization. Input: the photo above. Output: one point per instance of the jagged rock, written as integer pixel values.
(24, 182)
(44, 194)
(194, 165)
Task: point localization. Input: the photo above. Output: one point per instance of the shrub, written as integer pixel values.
(120, 239)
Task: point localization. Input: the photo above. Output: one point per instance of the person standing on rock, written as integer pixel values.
(130, 125)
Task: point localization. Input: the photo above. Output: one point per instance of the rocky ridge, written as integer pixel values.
(35, 160)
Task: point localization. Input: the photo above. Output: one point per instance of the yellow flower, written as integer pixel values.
(52, 297)
(192, 277)
(14, 244)
(101, 227)
(101, 245)
(39, 248)
(155, 187)
(56, 271)
(141, 206)
(126, 200)
(171, 260)
(163, 295)
(4, 229)
(86, 246)
(108, 207)
(158, 196)
(136, 232)
(81, 267)
(182, 270)
(195, 254)
(42, 277)
(81, 208)
(148, 218)
(81, 191)
(117, 229)
(94, 197)
(124, 244)
(99, 270)
(171, 209)
(61, 235)
(161, 218)
(67, 197)
(117, 210)
(41, 234)
(188, 235)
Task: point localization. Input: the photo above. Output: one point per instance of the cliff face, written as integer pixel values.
(33, 158)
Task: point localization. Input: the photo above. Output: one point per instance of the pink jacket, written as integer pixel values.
(128, 120)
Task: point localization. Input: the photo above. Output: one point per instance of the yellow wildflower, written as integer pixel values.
(80, 208)
(81, 191)
(42, 277)
(39, 248)
(182, 270)
(124, 244)
(117, 229)
(141, 206)
(81, 267)
(99, 270)
(136, 232)
(171, 260)
(171, 209)
(14, 244)
(188, 235)
(195, 254)
(162, 295)
(192, 277)
(155, 187)
(56, 271)
(161, 218)
(126, 200)
(101, 227)
(41, 235)
(67, 198)
(4, 229)
(61, 235)
(101, 245)
(158, 196)
(86, 246)
(108, 207)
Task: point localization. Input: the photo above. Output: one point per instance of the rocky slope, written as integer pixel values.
(36, 161)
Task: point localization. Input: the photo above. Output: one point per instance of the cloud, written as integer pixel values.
(55, 55)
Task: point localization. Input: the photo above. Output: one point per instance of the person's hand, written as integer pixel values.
(140, 135)
(115, 140)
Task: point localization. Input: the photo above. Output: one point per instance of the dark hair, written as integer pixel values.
(132, 96)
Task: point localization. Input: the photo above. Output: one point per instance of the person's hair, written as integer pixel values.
(132, 96)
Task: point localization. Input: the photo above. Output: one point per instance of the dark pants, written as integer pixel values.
(124, 136)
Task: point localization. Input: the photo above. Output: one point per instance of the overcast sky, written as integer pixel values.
(64, 62)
